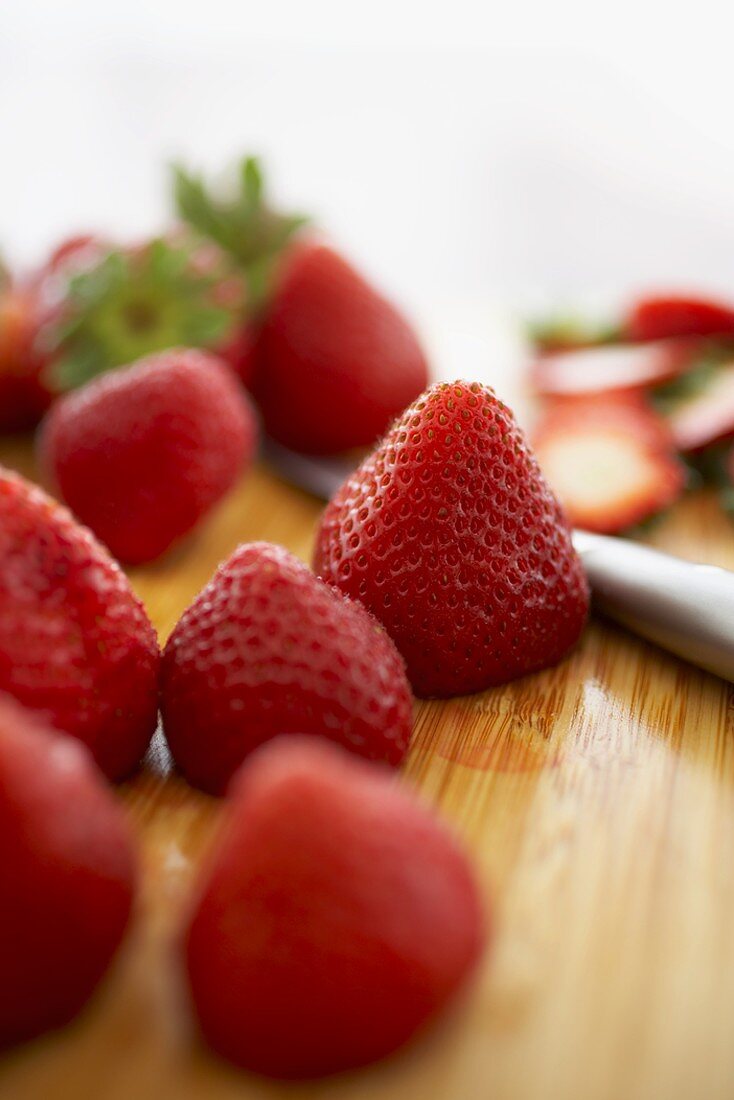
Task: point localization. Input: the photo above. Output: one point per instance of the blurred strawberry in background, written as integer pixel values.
(330, 361)
(618, 401)
(23, 395)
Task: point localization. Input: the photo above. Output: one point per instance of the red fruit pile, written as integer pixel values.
(335, 918)
(75, 642)
(634, 412)
(142, 453)
(266, 649)
(449, 534)
(67, 876)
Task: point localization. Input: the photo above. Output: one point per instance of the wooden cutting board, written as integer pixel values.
(597, 800)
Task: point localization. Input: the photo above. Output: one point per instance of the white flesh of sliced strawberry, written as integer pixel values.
(607, 480)
(595, 370)
(708, 417)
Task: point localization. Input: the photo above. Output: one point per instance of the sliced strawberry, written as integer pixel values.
(610, 460)
(611, 368)
(707, 415)
(664, 315)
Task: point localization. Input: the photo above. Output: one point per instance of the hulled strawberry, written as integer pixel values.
(610, 459)
(335, 918)
(659, 316)
(142, 454)
(335, 360)
(266, 649)
(67, 876)
(75, 642)
(23, 394)
(449, 534)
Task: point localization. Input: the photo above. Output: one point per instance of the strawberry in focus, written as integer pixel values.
(266, 649)
(67, 876)
(449, 534)
(140, 455)
(75, 642)
(659, 316)
(334, 362)
(336, 917)
(610, 459)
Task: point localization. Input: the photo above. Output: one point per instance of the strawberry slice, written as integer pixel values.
(664, 315)
(707, 415)
(610, 461)
(611, 368)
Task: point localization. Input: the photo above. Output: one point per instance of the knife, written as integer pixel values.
(684, 607)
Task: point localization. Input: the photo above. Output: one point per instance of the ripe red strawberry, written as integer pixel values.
(143, 453)
(23, 395)
(335, 361)
(335, 920)
(75, 643)
(265, 649)
(660, 316)
(67, 876)
(610, 460)
(450, 536)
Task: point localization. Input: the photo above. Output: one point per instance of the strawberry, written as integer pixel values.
(23, 395)
(450, 536)
(142, 454)
(335, 919)
(610, 460)
(335, 361)
(119, 305)
(265, 649)
(75, 643)
(67, 876)
(612, 368)
(659, 316)
(700, 411)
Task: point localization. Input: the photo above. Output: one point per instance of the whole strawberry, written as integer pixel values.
(23, 394)
(266, 649)
(335, 362)
(143, 453)
(450, 536)
(67, 876)
(75, 642)
(336, 917)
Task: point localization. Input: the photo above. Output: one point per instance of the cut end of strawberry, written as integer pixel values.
(706, 415)
(609, 461)
(611, 369)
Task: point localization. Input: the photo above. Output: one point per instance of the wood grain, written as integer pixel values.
(598, 801)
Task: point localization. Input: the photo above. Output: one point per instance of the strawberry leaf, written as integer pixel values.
(132, 304)
(242, 223)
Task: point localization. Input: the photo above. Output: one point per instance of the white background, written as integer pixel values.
(515, 154)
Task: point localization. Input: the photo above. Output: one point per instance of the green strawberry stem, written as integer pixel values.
(131, 304)
(242, 224)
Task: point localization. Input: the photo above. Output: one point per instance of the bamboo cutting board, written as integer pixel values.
(597, 799)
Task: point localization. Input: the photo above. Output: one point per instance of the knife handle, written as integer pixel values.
(683, 607)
